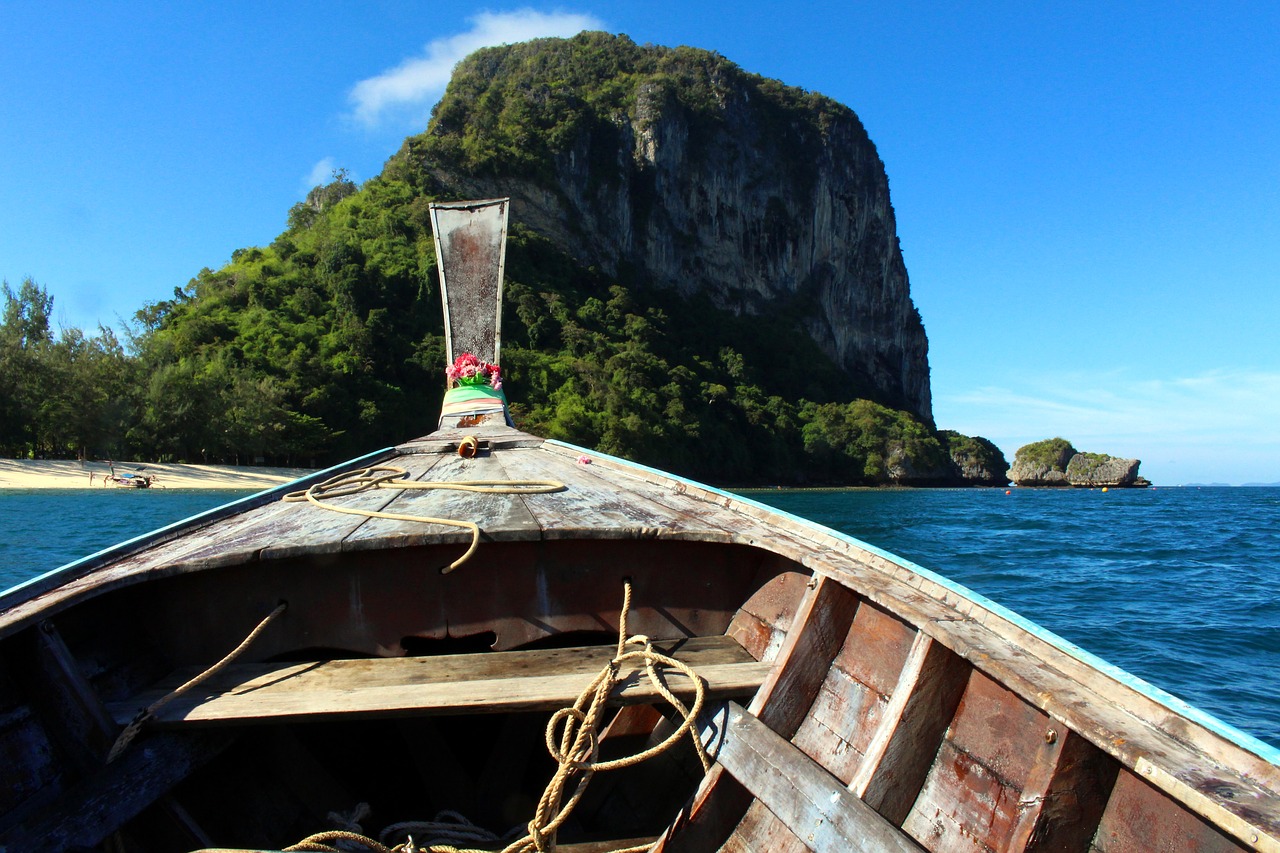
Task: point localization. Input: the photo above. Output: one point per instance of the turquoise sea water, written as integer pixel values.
(1179, 586)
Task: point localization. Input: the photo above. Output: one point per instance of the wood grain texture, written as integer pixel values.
(448, 684)
(506, 512)
(761, 829)
(815, 806)
(1064, 798)
(818, 631)
(1138, 817)
(858, 689)
(911, 728)
(762, 622)
(974, 791)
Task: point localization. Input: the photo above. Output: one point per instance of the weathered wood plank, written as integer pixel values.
(811, 802)
(471, 245)
(1138, 817)
(760, 829)
(858, 688)
(762, 622)
(594, 506)
(504, 513)
(818, 629)
(102, 803)
(1063, 800)
(720, 517)
(498, 682)
(307, 526)
(912, 726)
(833, 732)
(974, 788)
(1122, 721)
(818, 632)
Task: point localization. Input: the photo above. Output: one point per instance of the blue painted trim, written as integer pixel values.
(1178, 706)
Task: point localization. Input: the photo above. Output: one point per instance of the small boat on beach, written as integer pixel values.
(127, 479)
(481, 639)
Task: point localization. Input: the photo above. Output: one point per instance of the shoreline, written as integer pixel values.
(73, 474)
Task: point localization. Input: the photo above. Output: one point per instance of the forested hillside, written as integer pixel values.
(328, 341)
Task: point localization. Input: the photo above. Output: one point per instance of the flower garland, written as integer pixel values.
(469, 370)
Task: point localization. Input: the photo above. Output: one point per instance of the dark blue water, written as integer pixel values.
(1181, 587)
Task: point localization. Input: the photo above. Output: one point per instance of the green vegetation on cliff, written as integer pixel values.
(328, 342)
(1051, 454)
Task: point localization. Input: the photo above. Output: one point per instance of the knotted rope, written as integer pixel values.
(381, 477)
(135, 725)
(573, 741)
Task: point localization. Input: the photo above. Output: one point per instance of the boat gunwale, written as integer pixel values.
(1127, 679)
(29, 590)
(1140, 754)
(1121, 716)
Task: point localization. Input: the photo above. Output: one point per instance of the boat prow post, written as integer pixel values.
(471, 240)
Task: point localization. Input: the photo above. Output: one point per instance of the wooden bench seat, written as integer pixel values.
(579, 847)
(813, 804)
(542, 680)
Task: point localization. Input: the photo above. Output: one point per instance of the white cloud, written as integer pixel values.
(321, 173)
(1215, 426)
(418, 82)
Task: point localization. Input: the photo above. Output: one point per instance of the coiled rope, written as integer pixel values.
(383, 477)
(572, 739)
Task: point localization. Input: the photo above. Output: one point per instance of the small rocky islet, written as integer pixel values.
(1055, 462)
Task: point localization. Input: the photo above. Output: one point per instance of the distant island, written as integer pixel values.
(1055, 462)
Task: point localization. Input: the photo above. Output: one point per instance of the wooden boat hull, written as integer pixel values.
(348, 671)
(960, 726)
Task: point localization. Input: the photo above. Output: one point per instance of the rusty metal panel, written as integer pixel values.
(471, 239)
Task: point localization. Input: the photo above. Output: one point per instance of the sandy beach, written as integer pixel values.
(71, 474)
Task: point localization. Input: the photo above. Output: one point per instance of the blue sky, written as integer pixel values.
(1088, 194)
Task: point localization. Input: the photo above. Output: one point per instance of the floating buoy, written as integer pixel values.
(1008, 492)
(1104, 488)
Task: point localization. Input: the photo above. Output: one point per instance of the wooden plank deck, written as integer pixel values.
(539, 680)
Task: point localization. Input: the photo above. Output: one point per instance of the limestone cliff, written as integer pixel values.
(675, 168)
(1099, 469)
(1042, 463)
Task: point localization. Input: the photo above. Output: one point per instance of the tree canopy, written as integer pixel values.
(328, 342)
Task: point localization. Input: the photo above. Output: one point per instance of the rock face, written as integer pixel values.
(1098, 469)
(1043, 463)
(975, 470)
(701, 177)
(1054, 462)
(976, 460)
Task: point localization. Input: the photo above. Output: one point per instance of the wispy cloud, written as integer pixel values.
(1215, 426)
(417, 83)
(321, 173)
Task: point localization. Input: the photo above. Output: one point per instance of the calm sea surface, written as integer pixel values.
(1180, 586)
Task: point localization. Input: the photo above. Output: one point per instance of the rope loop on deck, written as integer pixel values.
(135, 725)
(386, 477)
(572, 733)
(573, 740)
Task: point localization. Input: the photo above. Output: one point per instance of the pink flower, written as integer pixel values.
(469, 370)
